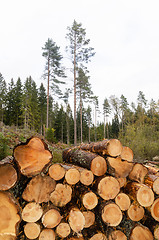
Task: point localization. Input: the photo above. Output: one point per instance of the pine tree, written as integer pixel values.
(53, 70)
(80, 53)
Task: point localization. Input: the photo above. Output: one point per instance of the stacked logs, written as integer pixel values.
(98, 192)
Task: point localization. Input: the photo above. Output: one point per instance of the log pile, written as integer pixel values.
(97, 193)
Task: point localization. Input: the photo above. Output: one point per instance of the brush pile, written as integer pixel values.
(97, 193)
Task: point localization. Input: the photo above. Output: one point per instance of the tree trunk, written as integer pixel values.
(135, 212)
(89, 218)
(138, 173)
(123, 201)
(154, 210)
(48, 83)
(56, 171)
(51, 218)
(94, 162)
(76, 220)
(75, 128)
(118, 235)
(112, 147)
(32, 212)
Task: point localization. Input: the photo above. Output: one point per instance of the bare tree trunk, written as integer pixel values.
(75, 130)
(89, 133)
(81, 116)
(48, 80)
(104, 125)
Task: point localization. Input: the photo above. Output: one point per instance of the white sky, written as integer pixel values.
(124, 33)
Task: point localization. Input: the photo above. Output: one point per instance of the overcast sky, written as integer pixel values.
(124, 34)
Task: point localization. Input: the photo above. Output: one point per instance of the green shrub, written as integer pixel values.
(4, 148)
(50, 135)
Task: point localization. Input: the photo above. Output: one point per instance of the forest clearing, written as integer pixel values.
(97, 191)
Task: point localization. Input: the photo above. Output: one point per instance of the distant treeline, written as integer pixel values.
(25, 106)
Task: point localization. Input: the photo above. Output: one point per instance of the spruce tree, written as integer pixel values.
(42, 100)
(10, 106)
(106, 112)
(18, 101)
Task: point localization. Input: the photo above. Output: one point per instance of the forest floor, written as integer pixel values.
(11, 137)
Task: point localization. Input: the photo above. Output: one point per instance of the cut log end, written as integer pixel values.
(89, 218)
(51, 218)
(123, 201)
(39, 189)
(32, 212)
(117, 235)
(32, 230)
(32, 157)
(145, 196)
(56, 171)
(98, 236)
(72, 176)
(8, 176)
(98, 166)
(156, 232)
(111, 214)
(47, 234)
(9, 215)
(138, 173)
(108, 188)
(135, 212)
(114, 147)
(156, 186)
(63, 230)
(76, 220)
(127, 154)
(90, 200)
(86, 177)
(61, 195)
(140, 233)
(155, 210)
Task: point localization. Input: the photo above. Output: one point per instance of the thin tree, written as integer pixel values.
(3, 92)
(89, 119)
(83, 91)
(80, 53)
(53, 69)
(106, 112)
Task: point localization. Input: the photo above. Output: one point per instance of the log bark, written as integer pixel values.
(32, 157)
(47, 234)
(91, 161)
(51, 218)
(117, 235)
(10, 215)
(111, 147)
(76, 220)
(32, 212)
(152, 168)
(89, 200)
(108, 187)
(141, 233)
(123, 201)
(138, 173)
(135, 212)
(8, 176)
(89, 218)
(127, 154)
(122, 181)
(111, 214)
(140, 192)
(61, 195)
(32, 230)
(56, 171)
(63, 230)
(119, 168)
(39, 189)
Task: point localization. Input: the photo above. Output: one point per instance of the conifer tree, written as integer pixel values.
(42, 100)
(10, 106)
(80, 54)
(106, 112)
(3, 92)
(53, 70)
(18, 101)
